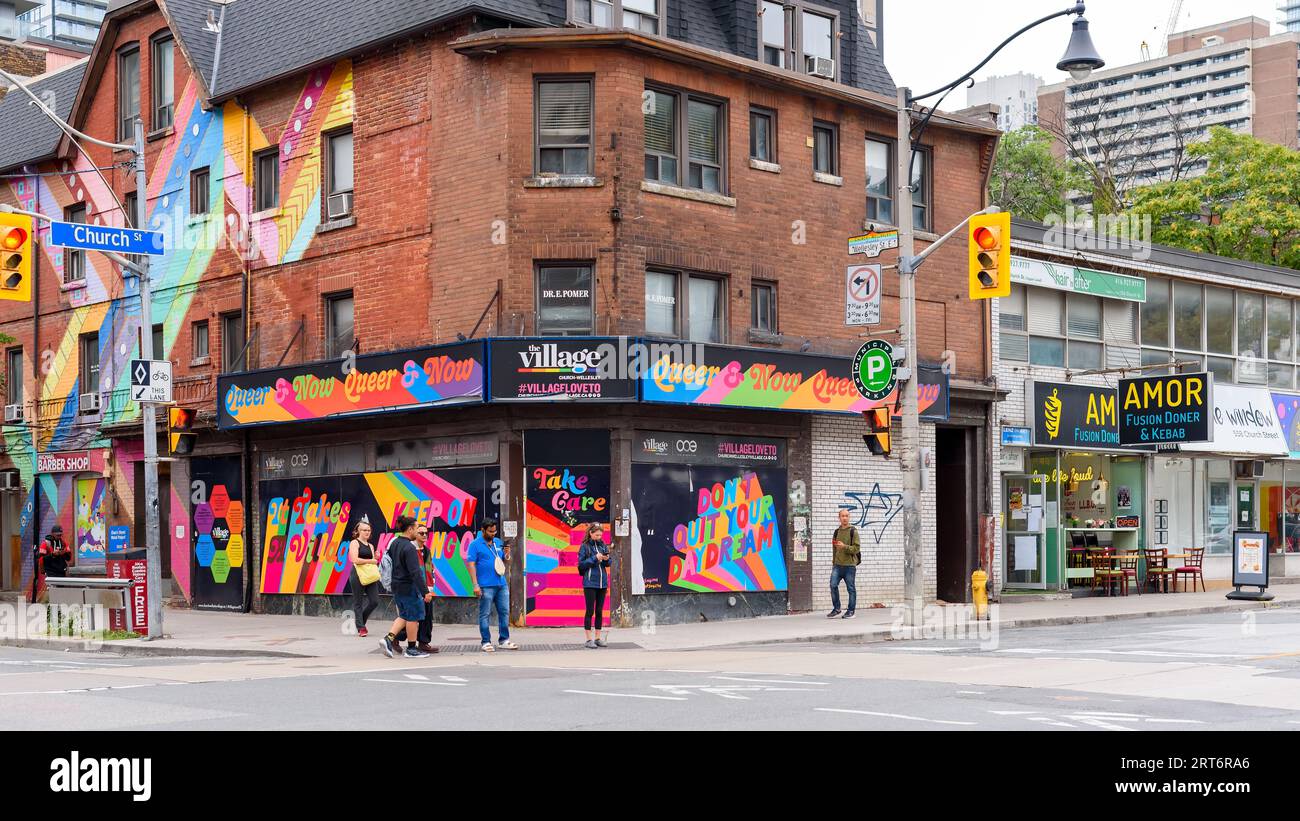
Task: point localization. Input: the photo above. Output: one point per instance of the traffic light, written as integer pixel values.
(180, 435)
(990, 255)
(15, 257)
(877, 436)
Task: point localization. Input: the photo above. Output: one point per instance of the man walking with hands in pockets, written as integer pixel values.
(487, 560)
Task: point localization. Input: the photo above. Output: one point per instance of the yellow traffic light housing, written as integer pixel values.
(16, 251)
(989, 239)
(180, 438)
(877, 436)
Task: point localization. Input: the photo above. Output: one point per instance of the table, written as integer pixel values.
(1122, 538)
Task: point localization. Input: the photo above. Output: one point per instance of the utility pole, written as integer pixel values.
(148, 411)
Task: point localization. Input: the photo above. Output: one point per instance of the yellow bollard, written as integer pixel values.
(979, 581)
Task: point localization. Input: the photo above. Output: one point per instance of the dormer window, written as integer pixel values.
(641, 15)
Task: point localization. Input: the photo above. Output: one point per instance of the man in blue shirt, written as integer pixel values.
(491, 587)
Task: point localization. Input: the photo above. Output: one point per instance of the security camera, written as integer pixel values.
(874, 227)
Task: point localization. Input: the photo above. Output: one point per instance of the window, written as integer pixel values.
(921, 189)
(199, 336)
(338, 174)
(826, 145)
(200, 190)
(14, 376)
(564, 300)
(1155, 314)
(564, 127)
(762, 315)
(159, 347)
(1280, 345)
(163, 83)
(340, 327)
(701, 131)
(1083, 316)
(805, 48)
(267, 182)
(773, 26)
(762, 135)
(232, 342)
(74, 262)
(703, 315)
(89, 364)
(642, 15)
(880, 188)
(128, 92)
(1187, 316)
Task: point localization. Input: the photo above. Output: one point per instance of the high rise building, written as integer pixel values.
(1290, 14)
(1016, 95)
(1140, 118)
(68, 22)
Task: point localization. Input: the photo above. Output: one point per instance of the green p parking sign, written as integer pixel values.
(873, 370)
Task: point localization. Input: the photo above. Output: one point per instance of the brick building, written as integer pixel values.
(411, 245)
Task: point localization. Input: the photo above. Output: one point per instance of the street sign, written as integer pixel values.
(874, 243)
(151, 380)
(862, 295)
(84, 237)
(874, 374)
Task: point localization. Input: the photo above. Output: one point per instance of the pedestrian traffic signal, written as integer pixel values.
(15, 257)
(990, 255)
(877, 436)
(180, 435)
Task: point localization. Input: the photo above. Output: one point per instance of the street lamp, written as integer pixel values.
(1080, 60)
(153, 536)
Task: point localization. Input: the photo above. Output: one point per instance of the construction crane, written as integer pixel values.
(1174, 11)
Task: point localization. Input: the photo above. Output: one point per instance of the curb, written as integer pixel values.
(132, 647)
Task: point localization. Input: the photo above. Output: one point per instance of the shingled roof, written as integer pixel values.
(28, 135)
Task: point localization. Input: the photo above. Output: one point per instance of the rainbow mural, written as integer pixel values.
(561, 502)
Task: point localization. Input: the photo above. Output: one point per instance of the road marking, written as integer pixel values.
(1277, 656)
(409, 681)
(1109, 652)
(766, 680)
(1051, 721)
(416, 676)
(1012, 712)
(624, 695)
(1173, 721)
(970, 692)
(896, 715)
(454, 678)
(78, 690)
(1096, 722)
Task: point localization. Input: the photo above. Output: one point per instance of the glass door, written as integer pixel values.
(1246, 507)
(1025, 527)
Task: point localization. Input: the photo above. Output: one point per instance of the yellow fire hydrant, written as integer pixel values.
(979, 581)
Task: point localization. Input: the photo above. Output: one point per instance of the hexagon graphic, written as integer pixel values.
(235, 517)
(235, 550)
(204, 549)
(220, 500)
(203, 518)
(220, 533)
(220, 567)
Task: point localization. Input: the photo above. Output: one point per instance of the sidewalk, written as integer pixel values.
(199, 633)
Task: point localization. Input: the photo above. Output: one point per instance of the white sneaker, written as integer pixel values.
(509, 645)
(488, 648)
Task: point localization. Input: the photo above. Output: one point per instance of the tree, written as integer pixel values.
(1028, 179)
(1246, 205)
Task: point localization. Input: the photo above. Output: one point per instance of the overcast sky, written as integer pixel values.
(929, 43)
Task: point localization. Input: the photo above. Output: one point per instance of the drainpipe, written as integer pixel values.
(245, 451)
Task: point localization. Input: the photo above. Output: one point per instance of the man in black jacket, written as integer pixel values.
(410, 591)
(425, 634)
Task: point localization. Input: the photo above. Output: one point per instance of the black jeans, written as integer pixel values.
(595, 606)
(369, 594)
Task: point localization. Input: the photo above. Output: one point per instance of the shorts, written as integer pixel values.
(410, 606)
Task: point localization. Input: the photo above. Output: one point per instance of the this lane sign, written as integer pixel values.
(84, 237)
(151, 380)
(862, 295)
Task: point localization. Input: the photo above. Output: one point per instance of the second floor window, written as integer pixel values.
(762, 134)
(232, 343)
(14, 377)
(89, 372)
(200, 340)
(700, 132)
(340, 174)
(564, 127)
(128, 93)
(74, 262)
(826, 149)
(267, 182)
(642, 15)
(163, 86)
(340, 326)
(762, 316)
(921, 189)
(200, 190)
(564, 300)
(702, 312)
(880, 182)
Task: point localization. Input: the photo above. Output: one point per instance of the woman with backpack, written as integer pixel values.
(365, 576)
(593, 564)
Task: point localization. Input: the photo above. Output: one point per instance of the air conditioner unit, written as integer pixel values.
(13, 413)
(89, 403)
(819, 66)
(1250, 470)
(339, 206)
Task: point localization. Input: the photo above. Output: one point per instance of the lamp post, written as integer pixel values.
(153, 538)
(1080, 60)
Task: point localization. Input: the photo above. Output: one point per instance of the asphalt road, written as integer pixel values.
(1209, 673)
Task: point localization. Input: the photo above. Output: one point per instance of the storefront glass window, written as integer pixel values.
(1085, 355)
(1155, 313)
(1084, 316)
(1187, 316)
(1047, 351)
(1250, 325)
(1289, 541)
(1218, 506)
(1279, 330)
(1218, 321)
(1221, 368)
(1272, 501)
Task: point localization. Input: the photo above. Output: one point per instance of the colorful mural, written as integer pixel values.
(223, 140)
(309, 522)
(561, 502)
(217, 516)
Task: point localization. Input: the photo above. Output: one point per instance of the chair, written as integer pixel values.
(1127, 564)
(1090, 541)
(1193, 568)
(1158, 569)
(1103, 571)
